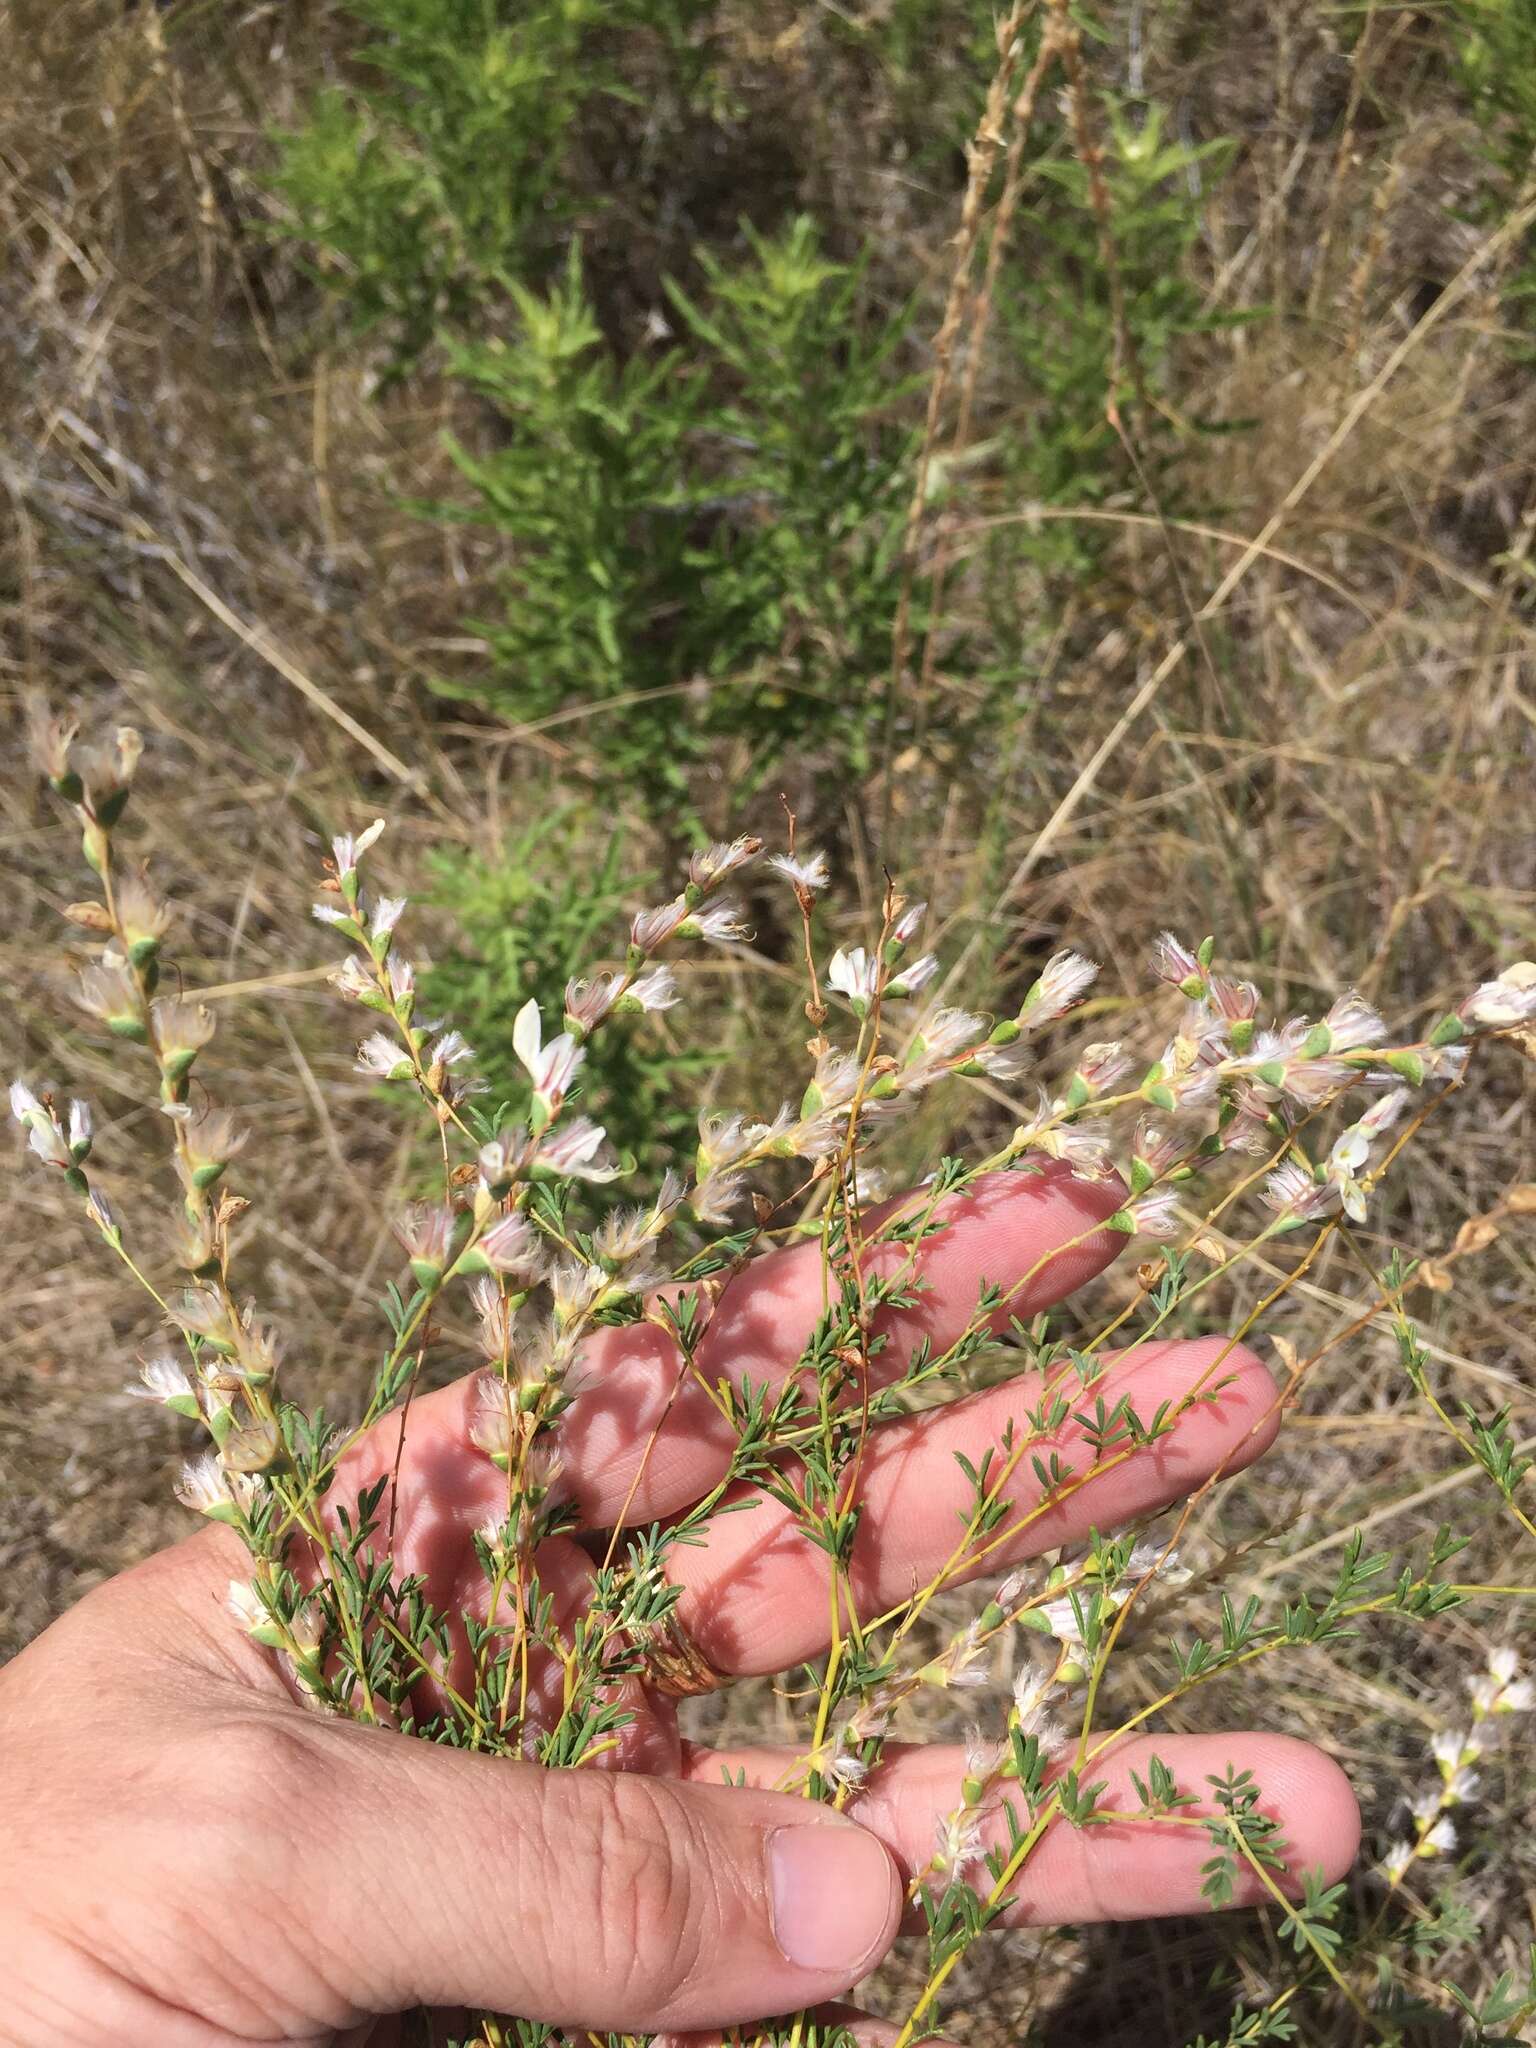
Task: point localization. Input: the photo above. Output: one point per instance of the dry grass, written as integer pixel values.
(203, 535)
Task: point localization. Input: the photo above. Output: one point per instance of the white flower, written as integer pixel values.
(380, 1055)
(1350, 1152)
(551, 1067)
(1353, 1023)
(1511, 999)
(24, 1103)
(1156, 1214)
(207, 1488)
(1461, 1786)
(1395, 1863)
(1384, 1112)
(904, 930)
(346, 851)
(716, 1196)
(332, 913)
(1173, 961)
(908, 981)
(848, 1771)
(352, 979)
(511, 1245)
(164, 1378)
(1503, 1663)
(723, 858)
(1031, 1688)
(1063, 982)
(649, 928)
(491, 1423)
(1439, 1840)
(958, 1842)
(1291, 1190)
(806, 871)
(1060, 1617)
(655, 990)
(855, 974)
(1453, 1747)
(250, 1610)
(451, 1050)
(386, 915)
(720, 923)
(578, 1149)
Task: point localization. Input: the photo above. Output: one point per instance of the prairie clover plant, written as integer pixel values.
(1233, 1116)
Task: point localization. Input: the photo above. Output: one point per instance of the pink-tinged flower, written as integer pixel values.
(425, 1233)
(386, 915)
(804, 871)
(654, 990)
(856, 975)
(1352, 1023)
(1156, 1214)
(1005, 1063)
(579, 1150)
(347, 851)
(110, 992)
(402, 979)
(905, 929)
(958, 1842)
(1064, 981)
(1173, 962)
(716, 1196)
(719, 923)
(1237, 1002)
(587, 1003)
(512, 1245)
(383, 1057)
(652, 928)
(725, 1139)
(451, 1050)
(493, 1421)
(353, 980)
(909, 981)
(1385, 1112)
(1510, 1000)
(1443, 1062)
(710, 867)
(1292, 1191)
(1101, 1064)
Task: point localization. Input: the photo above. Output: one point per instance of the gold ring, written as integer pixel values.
(675, 1665)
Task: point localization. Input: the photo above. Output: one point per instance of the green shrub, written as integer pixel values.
(526, 920)
(703, 543)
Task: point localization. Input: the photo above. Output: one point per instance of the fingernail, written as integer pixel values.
(833, 1897)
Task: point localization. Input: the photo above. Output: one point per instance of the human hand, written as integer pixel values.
(192, 1857)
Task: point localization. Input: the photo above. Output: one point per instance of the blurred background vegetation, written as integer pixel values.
(1092, 482)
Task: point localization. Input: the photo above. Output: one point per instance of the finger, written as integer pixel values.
(644, 1439)
(756, 1589)
(615, 1902)
(862, 2027)
(1120, 1870)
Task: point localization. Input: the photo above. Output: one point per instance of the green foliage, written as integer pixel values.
(1494, 51)
(442, 174)
(526, 921)
(1084, 324)
(703, 541)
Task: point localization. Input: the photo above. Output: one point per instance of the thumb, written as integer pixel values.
(583, 1898)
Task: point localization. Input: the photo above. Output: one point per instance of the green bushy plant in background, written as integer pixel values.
(701, 511)
(705, 538)
(443, 173)
(527, 920)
